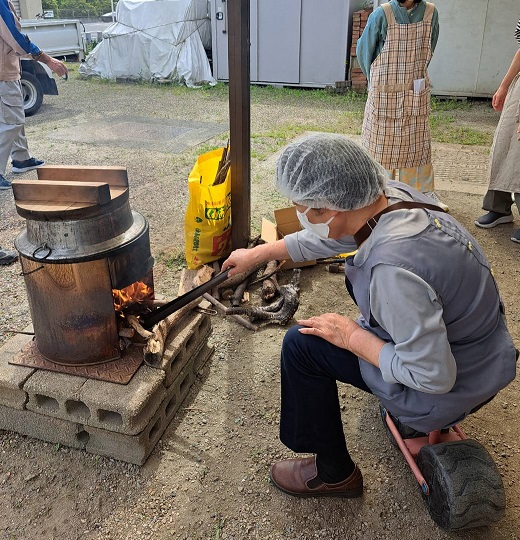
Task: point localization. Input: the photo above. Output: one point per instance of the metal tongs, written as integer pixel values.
(157, 315)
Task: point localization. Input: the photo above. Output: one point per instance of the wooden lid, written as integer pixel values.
(70, 192)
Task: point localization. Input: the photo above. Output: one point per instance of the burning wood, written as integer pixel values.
(134, 297)
(133, 321)
(279, 312)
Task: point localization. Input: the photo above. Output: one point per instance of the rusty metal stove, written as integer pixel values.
(82, 243)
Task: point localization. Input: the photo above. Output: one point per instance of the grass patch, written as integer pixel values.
(439, 104)
(265, 144)
(350, 122)
(260, 94)
(444, 129)
(207, 147)
(172, 260)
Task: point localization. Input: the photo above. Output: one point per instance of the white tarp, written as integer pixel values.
(155, 40)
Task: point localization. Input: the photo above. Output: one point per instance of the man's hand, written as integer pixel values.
(518, 131)
(244, 259)
(499, 99)
(346, 334)
(239, 261)
(332, 327)
(57, 66)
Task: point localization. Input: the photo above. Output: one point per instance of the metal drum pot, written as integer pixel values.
(74, 255)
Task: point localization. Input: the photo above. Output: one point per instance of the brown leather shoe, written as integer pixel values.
(299, 477)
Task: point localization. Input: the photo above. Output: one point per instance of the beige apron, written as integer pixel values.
(505, 152)
(396, 129)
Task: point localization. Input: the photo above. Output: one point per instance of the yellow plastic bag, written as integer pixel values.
(207, 223)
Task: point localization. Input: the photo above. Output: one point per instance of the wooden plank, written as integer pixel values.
(114, 176)
(45, 207)
(56, 192)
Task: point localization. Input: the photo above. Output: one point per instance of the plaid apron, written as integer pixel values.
(396, 129)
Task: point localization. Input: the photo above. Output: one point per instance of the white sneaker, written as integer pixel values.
(433, 196)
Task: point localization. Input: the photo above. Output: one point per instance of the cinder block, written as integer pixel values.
(182, 343)
(124, 408)
(45, 428)
(119, 421)
(116, 407)
(57, 394)
(129, 448)
(15, 344)
(202, 356)
(137, 448)
(12, 378)
(106, 442)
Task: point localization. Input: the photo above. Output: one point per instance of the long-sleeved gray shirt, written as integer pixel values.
(403, 304)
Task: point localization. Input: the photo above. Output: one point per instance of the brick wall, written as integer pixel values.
(359, 21)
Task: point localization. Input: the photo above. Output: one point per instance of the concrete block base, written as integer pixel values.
(119, 421)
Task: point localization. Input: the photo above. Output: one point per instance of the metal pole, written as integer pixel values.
(239, 120)
(112, 7)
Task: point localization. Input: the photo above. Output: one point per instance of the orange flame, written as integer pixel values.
(137, 293)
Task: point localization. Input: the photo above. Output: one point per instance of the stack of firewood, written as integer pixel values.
(223, 166)
(278, 303)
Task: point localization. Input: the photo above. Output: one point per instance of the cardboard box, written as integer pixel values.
(286, 223)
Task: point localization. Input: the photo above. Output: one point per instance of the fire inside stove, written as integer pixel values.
(135, 299)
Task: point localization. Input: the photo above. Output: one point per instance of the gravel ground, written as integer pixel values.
(207, 477)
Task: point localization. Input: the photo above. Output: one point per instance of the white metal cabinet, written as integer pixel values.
(293, 42)
(475, 48)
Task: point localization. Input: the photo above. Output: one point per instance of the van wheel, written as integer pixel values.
(32, 93)
(466, 489)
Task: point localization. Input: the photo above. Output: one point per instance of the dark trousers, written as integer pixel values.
(500, 201)
(310, 413)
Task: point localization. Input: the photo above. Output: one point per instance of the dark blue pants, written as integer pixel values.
(310, 412)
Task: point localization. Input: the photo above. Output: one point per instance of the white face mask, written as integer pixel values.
(321, 230)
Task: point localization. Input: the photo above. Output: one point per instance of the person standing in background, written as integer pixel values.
(394, 51)
(13, 45)
(505, 153)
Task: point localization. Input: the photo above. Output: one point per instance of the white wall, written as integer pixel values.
(476, 45)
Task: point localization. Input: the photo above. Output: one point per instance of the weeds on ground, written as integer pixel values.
(172, 260)
(444, 130)
(443, 104)
(219, 527)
